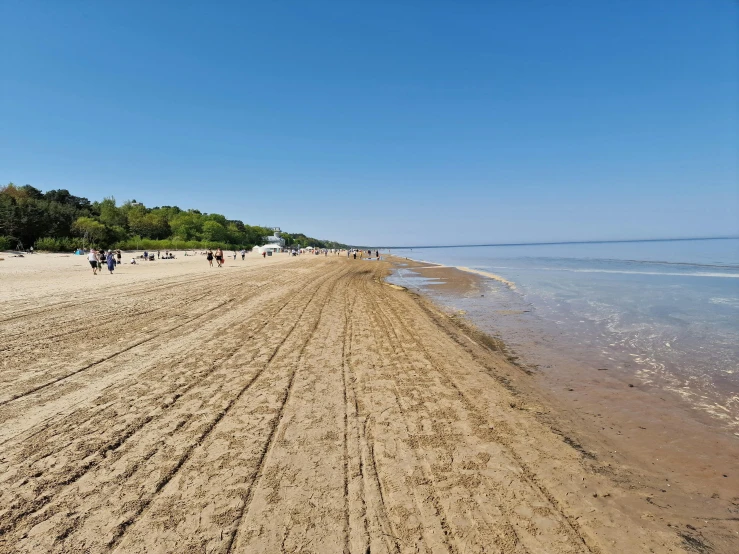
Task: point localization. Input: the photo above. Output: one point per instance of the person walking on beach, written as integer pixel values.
(219, 257)
(210, 257)
(118, 255)
(92, 257)
(377, 255)
(243, 254)
(110, 260)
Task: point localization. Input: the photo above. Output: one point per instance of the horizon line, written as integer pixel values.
(606, 241)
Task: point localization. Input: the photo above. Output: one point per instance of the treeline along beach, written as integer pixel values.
(59, 221)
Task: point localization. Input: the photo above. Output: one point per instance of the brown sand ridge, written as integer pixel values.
(279, 405)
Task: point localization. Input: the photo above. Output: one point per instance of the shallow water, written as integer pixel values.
(664, 312)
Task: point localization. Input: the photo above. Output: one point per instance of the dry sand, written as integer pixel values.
(279, 405)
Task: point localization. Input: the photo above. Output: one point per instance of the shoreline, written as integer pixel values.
(243, 397)
(433, 265)
(546, 332)
(648, 439)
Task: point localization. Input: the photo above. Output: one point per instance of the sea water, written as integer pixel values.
(664, 312)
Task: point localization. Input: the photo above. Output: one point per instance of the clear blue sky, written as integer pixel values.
(385, 122)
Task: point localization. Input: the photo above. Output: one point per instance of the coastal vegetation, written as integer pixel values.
(58, 221)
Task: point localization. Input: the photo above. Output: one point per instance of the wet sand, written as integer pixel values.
(679, 463)
(297, 404)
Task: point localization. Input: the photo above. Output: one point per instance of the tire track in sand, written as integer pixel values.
(35, 375)
(424, 492)
(365, 500)
(269, 445)
(94, 325)
(124, 291)
(199, 444)
(110, 356)
(117, 441)
(141, 342)
(384, 303)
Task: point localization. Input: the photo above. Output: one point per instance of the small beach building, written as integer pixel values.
(275, 238)
(275, 243)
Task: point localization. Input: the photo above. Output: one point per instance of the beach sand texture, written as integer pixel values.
(275, 405)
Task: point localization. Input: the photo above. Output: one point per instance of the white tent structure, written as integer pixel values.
(269, 248)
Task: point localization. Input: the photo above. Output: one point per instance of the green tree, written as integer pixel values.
(50, 219)
(187, 225)
(214, 232)
(148, 225)
(235, 235)
(89, 227)
(111, 215)
(218, 218)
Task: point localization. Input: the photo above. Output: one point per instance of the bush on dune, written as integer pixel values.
(61, 244)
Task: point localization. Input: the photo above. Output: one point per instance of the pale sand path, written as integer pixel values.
(278, 405)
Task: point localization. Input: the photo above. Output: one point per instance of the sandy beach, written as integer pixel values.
(301, 404)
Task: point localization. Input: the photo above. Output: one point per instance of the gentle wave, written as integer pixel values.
(727, 266)
(679, 264)
(510, 284)
(733, 302)
(627, 272)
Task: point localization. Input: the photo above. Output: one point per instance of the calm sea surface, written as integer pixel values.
(665, 312)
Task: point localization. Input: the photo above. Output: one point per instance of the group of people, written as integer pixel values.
(149, 257)
(218, 256)
(361, 254)
(100, 258)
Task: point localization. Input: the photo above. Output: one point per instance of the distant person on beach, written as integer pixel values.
(110, 260)
(158, 253)
(92, 257)
(243, 254)
(234, 254)
(377, 254)
(118, 256)
(355, 255)
(219, 257)
(210, 257)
